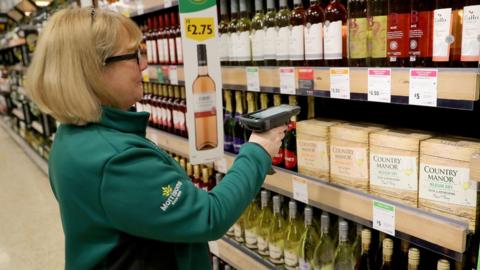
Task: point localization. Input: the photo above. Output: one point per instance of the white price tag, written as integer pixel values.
(287, 80)
(213, 246)
(168, 3)
(140, 8)
(253, 79)
(423, 87)
(380, 84)
(384, 217)
(173, 75)
(340, 83)
(300, 189)
(221, 165)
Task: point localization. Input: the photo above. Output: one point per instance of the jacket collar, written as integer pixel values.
(125, 121)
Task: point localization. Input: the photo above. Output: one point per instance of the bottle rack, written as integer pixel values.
(351, 204)
(458, 88)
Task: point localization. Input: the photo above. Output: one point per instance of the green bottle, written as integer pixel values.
(276, 234)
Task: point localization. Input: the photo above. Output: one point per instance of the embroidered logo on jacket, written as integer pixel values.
(173, 195)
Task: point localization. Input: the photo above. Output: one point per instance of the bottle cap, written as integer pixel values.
(276, 203)
(366, 236)
(387, 247)
(324, 222)
(443, 265)
(413, 256)
(292, 209)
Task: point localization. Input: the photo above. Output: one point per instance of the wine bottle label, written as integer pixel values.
(450, 185)
(154, 51)
(442, 34)
(161, 58)
(296, 48)
(149, 51)
(171, 44)
(313, 41)
(282, 43)
(349, 162)
(269, 49)
(275, 253)
(313, 154)
(394, 172)
(358, 38)
(333, 40)
(291, 259)
(243, 46)
(238, 232)
(155, 115)
(471, 33)
(228, 143)
(304, 265)
(262, 246)
(379, 36)
(251, 238)
(204, 104)
(279, 157)
(224, 43)
(163, 116)
(237, 143)
(398, 35)
(178, 42)
(290, 159)
(258, 40)
(420, 33)
(169, 118)
(181, 120)
(166, 50)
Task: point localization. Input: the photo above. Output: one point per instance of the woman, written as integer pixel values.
(124, 203)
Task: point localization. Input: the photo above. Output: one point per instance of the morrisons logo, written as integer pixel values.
(172, 195)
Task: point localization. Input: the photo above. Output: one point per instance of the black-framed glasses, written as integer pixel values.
(136, 55)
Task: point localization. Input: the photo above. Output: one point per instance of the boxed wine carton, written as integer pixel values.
(349, 146)
(313, 147)
(445, 185)
(394, 160)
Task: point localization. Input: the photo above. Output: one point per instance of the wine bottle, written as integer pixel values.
(183, 164)
(457, 22)
(308, 241)
(263, 101)
(176, 110)
(172, 39)
(357, 244)
(258, 34)
(315, 18)
(251, 225)
(263, 224)
(244, 51)
(232, 30)
(270, 34)
(283, 34)
(223, 33)
(251, 107)
(290, 141)
(204, 97)
(379, 250)
(357, 33)
(166, 39)
(296, 41)
(276, 234)
(183, 112)
(365, 262)
(178, 39)
(324, 253)
(196, 176)
(334, 34)
(239, 229)
(229, 123)
(205, 184)
(470, 33)
(378, 33)
(443, 264)
(239, 132)
(169, 105)
(278, 159)
(153, 42)
(398, 26)
(421, 24)
(400, 259)
(442, 33)
(413, 259)
(387, 254)
(215, 263)
(343, 253)
(160, 37)
(292, 238)
(149, 41)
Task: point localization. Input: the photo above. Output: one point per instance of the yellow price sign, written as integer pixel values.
(200, 29)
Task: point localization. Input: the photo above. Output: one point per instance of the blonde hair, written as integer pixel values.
(65, 76)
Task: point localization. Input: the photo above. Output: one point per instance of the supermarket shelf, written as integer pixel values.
(415, 225)
(34, 156)
(240, 256)
(150, 6)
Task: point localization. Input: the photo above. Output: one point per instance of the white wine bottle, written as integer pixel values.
(276, 234)
(308, 241)
(263, 224)
(357, 244)
(413, 259)
(250, 221)
(239, 230)
(343, 255)
(324, 253)
(205, 112)
(387, 254)
(292, 239)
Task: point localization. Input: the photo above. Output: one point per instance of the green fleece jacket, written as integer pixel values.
(126, 204)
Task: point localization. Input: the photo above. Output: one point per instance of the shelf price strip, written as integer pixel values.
(380, 84)
(423, 87)
(340, 83)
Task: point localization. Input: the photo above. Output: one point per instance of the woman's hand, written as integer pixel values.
(270, 140)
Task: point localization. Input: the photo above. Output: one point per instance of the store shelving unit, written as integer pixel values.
(417, 226)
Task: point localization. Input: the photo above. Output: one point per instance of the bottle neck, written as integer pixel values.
(202, 70)
(258, 6)
(387, 259)
(270, 5)
(297, 3)
(283, 4)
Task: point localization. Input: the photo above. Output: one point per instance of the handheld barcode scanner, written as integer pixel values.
(267, 119)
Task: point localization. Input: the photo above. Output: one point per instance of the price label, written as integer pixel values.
(173, 75)
(168, 3)
(287, 80)
(380, 84)
(384, 217)
(140, 8)
(253, 79)
(300, 189)
(221, 165)
(200, 29)
(423, 87)
(213, 246)
(340, 83)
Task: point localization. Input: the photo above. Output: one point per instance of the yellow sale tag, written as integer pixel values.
(200, 29)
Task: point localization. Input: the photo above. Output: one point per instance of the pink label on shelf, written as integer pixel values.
(385, 72)
(423, 73)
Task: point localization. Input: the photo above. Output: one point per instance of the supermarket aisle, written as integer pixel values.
(31, 235)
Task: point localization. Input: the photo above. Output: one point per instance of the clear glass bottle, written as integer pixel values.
(276, 234)
(357, 33)
(343, 254)
(315, 18)
(334, 34)
(229, 122)
(244, 47)
(223, 33)
(292, 238)
(283, 34)
(263, 224)
(308, 241)
(251, 224)
(270, 34)
(357, 243)
(258, 35)
(232, 30)
(324, 253)
(296, 48)
(378, 11)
